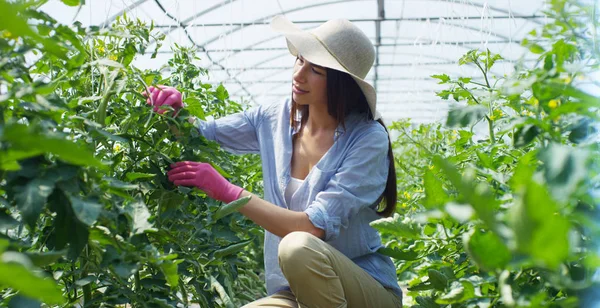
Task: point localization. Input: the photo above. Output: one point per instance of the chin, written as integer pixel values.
(299, 102)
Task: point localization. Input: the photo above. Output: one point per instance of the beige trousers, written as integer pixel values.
(322, 277)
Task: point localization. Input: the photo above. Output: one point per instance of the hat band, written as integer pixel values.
(331, 53)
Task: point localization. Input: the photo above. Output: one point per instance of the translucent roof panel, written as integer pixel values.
(414, 39)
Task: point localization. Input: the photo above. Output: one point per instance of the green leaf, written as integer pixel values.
(536, 48)
(23, 302)
(477, 194)
(465, 80)
(487, 250)
(538, 228)
(231, 207)
(17, 25)
(24, 139)
(231, 249)
(459, 292)
(564, 168)
(398, 254)
(4, 243)
(394, 226)
(169, 269)
(485, 160)
(139, 214)
(548, 62)
(195, 108)
(461, 212)
(491, 59)
(85, 281)
(437, 279)
(72, 2)
(524, 171)
(125, 269)
(41, 259)
(7, 221)
(580, 95)
(435, 196)
(443, 78)
(9, 159)
(444, 94)
(132, 176)
(220, 290)
(545, 91)
(86, 211)
(525, 135)
(465, 116)
(426, 302)
(19, 278)
(550, 241)
(32, 197)
(469, 57)
(582, 130)
(221, 93)
(424, 286)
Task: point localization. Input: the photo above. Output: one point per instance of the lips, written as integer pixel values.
(297, 90)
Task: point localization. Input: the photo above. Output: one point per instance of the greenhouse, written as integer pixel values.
(225, 153)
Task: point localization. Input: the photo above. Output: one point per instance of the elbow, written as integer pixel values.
(309, 227)
(318, 232)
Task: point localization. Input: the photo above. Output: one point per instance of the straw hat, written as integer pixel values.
(337, 44)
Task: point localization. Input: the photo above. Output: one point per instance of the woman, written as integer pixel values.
(327, 165)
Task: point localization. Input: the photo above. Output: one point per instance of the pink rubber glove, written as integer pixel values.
(163, 95)
(206, 178)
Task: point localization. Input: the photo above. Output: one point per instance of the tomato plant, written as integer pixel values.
(507, 218)
(87, 213)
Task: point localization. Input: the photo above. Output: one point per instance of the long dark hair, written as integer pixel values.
(344, 97)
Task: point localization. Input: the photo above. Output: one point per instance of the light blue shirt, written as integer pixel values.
(339, 193)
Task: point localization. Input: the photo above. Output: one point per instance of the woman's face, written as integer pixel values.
(309, 83)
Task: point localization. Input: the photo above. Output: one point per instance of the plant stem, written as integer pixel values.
(101, 112)
(87, 289)
(137, 282)
(478, 83)
(487, 82)
(472, 96)
(184, 294)
(491, 127)
(415, 142)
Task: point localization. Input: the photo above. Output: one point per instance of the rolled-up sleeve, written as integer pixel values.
(235, 133)
(358, 183)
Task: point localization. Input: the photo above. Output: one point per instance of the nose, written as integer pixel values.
(299, 75)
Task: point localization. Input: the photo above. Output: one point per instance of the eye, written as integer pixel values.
(316, 72)
(300, 60)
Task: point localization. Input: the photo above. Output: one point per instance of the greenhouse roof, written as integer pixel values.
(414, 39)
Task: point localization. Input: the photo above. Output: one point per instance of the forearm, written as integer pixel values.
(277, 220)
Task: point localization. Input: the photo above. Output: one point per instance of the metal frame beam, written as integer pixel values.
(109, 20)
(380, 17)
(376, 20)
(449, 43)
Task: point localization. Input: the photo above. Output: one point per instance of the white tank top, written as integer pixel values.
(291, 189)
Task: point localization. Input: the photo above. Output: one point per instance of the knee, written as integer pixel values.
(296, 248)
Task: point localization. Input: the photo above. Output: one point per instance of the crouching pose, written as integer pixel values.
(328, 172)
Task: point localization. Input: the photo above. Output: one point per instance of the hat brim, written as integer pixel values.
(312, 49)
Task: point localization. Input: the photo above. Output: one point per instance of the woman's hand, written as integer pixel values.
(163, 96)
(206, 178)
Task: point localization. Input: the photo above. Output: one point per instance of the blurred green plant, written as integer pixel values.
(510, 218)
(87, 215)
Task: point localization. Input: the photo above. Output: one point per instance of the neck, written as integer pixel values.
(319, 121)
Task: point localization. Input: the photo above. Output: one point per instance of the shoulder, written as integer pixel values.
(360, 128)
(274, 110)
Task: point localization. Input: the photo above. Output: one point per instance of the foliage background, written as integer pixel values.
(87, 215)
